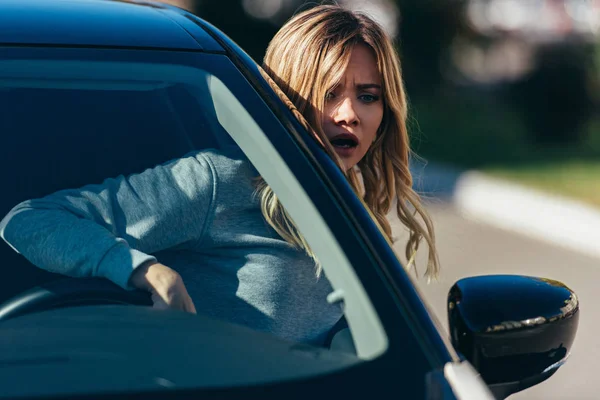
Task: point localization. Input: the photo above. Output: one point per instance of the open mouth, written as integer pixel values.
(344, 141)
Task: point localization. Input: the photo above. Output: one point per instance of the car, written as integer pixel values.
(92, 89)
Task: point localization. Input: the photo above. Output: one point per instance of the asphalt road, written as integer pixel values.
(468, 247)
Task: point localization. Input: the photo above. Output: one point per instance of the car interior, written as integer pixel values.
(83, 136)
(66, 135)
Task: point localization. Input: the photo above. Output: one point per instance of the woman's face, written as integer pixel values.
(354, 108)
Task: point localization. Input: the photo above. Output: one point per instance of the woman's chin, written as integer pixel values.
(347, 154)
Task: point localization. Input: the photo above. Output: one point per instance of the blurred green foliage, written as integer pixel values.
(573, 178)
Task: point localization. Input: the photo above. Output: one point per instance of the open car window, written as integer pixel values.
(72, 123)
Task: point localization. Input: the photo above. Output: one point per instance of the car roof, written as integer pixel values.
(101, 23)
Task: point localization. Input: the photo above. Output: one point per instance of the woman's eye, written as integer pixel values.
(369, 98)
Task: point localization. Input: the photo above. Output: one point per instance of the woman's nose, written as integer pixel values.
(346, 113)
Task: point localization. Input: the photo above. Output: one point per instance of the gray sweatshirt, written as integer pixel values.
(198, 215)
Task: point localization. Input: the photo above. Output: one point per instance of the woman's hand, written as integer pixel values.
(165, 285)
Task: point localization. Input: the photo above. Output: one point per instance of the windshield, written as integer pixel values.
(111, 164)
(111, 118)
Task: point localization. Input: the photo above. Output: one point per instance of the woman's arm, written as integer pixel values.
(110, 229)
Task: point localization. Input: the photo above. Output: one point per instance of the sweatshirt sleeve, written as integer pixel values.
(108, 230)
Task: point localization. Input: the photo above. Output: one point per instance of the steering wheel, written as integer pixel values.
(69, 292)
(72, 292)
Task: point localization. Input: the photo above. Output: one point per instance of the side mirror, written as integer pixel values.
(515, 330)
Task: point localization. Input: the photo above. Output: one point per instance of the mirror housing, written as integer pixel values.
(515, 330)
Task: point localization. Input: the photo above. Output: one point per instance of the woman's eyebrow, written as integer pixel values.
(368, 86)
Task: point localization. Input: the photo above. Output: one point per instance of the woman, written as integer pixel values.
(317, 58)
(200, 242)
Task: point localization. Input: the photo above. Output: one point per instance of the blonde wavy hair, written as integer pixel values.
(308, 57)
